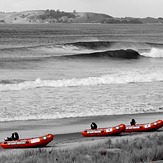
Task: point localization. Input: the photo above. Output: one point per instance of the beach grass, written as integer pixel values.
(125, 149)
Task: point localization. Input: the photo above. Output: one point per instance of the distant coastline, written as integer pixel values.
(57, 16)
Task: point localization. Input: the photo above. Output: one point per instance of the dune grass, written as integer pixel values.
(144, 148)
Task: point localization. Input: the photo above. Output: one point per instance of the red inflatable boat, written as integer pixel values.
(104, 131)
(28, 143)
(147, 127)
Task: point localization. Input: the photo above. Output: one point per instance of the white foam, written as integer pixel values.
(121, 78)
(154, 53)
(85, 113)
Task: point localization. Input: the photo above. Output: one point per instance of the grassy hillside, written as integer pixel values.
(21, 17)
(51, 16)
(57, 16)
(137, 149)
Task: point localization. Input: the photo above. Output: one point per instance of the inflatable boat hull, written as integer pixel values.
(29, 142)
(104, 131)
(147, 127)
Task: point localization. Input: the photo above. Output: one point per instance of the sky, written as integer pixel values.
(115, 8)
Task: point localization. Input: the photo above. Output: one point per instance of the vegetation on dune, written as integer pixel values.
(125, 150)
(121, 21)
(59, 16)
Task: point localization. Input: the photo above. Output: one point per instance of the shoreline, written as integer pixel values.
(67, 133)
(34, 128)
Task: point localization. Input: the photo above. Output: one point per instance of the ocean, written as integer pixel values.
(51, 71)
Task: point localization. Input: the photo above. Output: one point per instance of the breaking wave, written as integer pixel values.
(123, 78)
(154, 53)
(145, 49)
(114, 45)
(117, 49)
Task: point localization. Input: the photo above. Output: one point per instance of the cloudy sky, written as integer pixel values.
(116, 8)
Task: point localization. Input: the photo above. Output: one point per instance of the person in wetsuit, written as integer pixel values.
(15, 136)
(93, 126)
(133, 122)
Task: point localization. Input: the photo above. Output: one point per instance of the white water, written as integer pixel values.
(120, 78)
(154, 53)
(65, 102)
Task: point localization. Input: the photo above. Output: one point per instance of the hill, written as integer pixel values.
(57, 16)
(51, 16)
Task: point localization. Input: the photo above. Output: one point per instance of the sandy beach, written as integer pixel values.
(69, 129)
(67, 132)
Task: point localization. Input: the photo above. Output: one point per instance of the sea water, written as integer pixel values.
(39, 78)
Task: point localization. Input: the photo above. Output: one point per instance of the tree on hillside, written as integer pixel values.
(52, 14)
